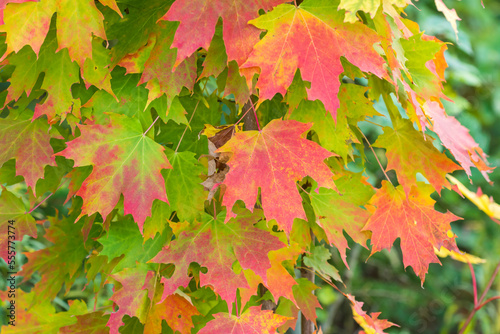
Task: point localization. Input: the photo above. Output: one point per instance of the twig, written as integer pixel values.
(255, 113)
(190, 119)
(474, 285)
(144, 134)
(480, 304)
(383, 170)
(46, 198)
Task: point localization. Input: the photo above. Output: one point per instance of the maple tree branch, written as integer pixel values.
(375, 154)
(480, 304)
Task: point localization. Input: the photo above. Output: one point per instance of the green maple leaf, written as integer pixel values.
(124, 238)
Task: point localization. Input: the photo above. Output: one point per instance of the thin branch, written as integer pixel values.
(480, 304)
(46, 198)
(488, 286)
(365, 120)
(242, 117)
(383, 170)
(304, 189)
(190, 119)
(144, 134)
(474, 284)
(477, 308)
(255, 113)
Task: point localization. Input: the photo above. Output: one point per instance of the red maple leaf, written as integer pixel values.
(457, 139)
(413, 220)
(28, 142)
(273, 160)
(311, 37)
(239, 36)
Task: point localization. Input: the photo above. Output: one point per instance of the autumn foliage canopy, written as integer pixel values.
(209, 149)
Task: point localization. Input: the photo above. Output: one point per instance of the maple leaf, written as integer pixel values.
(112, 4)
(90, 323)
(413, 219)
(450, 15)
(183, 185)
(337, 213)
(134, 30)
(41, 317)
(160, 64)
(57, 264)
(216, 60)
(253, 320)
(482, 201)
(27, 23)
(95, 70)
(311, 37)
(368, 6)
(130, 297)
(128, 97)
(213, 244)
(369, 322)
(408, 153)
(124, 238)
(12, 208)
(279, 281)
(4, 3)
(61, 73)
(333, 135)
(318, 260)
(306, 300)
(124, 161)
(274, 159)
(77, 21)
(457, 139)
(23, 77)
(176, 311)
(29, 144)
(420, 52)
(239, 36)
